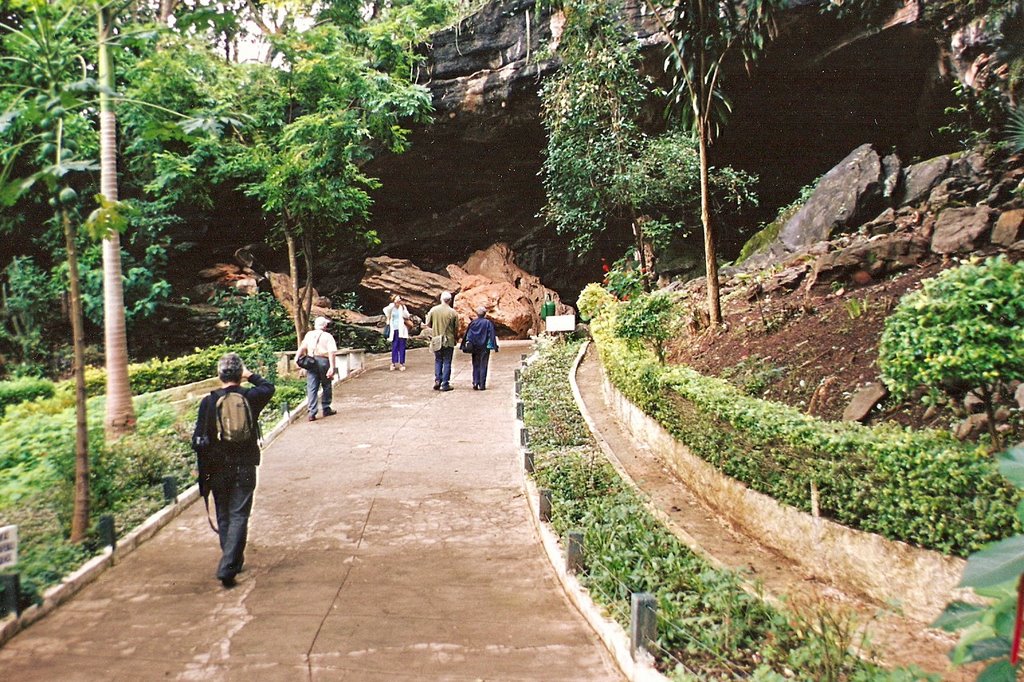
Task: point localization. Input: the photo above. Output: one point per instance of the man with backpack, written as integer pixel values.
(227, 453)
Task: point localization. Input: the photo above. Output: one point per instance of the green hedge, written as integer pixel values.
(921, 487)
(22, 390)
(160, 374)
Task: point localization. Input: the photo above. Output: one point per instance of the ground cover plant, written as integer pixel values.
(922, 487)
(708, 626)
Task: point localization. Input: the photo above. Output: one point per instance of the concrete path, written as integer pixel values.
(388, 542)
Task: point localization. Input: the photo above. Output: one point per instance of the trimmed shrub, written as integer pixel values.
(22, 390)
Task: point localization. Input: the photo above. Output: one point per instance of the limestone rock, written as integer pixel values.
(1018, 396)
(959, 230)
(386, 276)
(864, 401)
(972, 426)
(921, 178)
(845, 197)
(1007, 228)
(973, 404)
(878, 256)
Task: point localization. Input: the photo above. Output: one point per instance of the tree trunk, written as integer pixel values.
(80, 513)
(710, 249)
(293, 271)
(307, 297)
(120, 416)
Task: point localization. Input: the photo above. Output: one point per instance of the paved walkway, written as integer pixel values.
(388, 542)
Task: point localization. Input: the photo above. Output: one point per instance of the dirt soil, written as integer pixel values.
(812, 351)
(881, 633)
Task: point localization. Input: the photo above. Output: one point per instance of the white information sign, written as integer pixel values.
(8, 546)
(560, 323)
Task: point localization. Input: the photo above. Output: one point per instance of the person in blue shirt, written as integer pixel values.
(479, 340)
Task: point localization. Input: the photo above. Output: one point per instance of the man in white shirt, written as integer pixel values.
(321, 345)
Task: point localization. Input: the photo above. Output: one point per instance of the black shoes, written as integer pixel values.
(228, 581)
(446, 387)
(328, 412)
(312, 417)
(437, 385)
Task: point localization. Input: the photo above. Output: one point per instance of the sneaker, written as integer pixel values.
(401, 368)
(312, 417)
(328, 412)
(392, 367)
(446, 387)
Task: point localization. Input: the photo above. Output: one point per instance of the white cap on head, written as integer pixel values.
(446, 297)
(321, 323)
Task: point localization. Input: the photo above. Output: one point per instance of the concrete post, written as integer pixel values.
(520, 410)
(523, 437)
(574, 552)
(284, 410)
(643, 623)
(528, 462)
(544, 506)
(11, 584)
(518, 374)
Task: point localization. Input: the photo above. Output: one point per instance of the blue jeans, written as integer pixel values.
(480, 360)
(232, 494)
(397, 349)
(316, 381)
(443, 366)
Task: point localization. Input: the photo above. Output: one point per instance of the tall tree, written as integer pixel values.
(120, 415)
(48, 100)
(701, 35)
(601, 169)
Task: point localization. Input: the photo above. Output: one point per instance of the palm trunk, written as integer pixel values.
(120, 417)
(710, 249)
(80, 513)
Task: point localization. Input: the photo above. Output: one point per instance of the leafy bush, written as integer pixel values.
(924, 487)
(22, 390)
(705, 616)
(961, 331)
(592, 300)
(648, 320)
(255, 317)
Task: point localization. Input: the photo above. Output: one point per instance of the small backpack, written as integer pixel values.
(234, 422)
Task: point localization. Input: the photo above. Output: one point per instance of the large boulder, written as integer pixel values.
(959, 230)
(847, 196)
(921, 178)
(386, 276)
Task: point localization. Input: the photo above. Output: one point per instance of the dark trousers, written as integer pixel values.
(480, 360)
(443, 365)
(232, 494)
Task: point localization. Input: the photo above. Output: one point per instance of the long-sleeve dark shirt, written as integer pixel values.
(481, 335)
(248, 453)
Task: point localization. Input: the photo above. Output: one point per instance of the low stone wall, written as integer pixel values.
(919, 581)
(347, 360)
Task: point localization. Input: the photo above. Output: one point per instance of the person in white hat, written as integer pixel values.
(319, 344)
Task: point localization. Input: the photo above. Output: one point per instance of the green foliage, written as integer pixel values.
(753, 375)
(37, 455)
(994, 572)
(27, 316)
(706, 619)
(623, 280)
(649, 320)
(923, 487)
(592, 300)
(960, 331)
(22, 390)
(259, 317)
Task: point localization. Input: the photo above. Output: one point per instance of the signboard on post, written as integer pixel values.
(8, 546)
(560, 323)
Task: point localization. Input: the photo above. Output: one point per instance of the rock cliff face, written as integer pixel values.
(471, 178)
